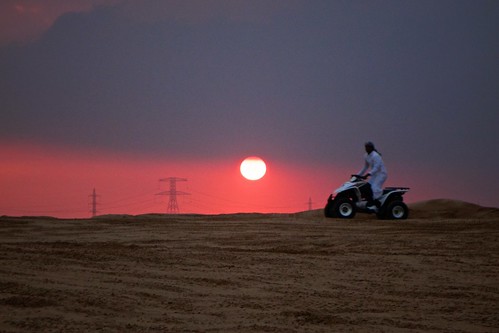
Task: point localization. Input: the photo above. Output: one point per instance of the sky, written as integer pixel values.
(118, 94)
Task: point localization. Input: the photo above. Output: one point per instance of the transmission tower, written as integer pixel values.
(93, 197)
(309, 203)
(172, 202)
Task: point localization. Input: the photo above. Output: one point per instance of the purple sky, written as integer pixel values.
(299, 82)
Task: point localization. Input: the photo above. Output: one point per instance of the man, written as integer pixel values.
(378, 173)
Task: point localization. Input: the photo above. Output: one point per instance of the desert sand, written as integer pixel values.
(438, 271)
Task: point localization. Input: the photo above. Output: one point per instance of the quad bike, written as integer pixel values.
(353, 196)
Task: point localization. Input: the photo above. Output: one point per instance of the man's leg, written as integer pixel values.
(377, 188)
(372, 196)
(369, 195)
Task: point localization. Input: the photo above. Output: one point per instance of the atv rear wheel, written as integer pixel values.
(343, 208)
(396, 210)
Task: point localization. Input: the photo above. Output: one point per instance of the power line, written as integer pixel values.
(238, 204)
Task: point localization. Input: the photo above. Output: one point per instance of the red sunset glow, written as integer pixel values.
(57, 182)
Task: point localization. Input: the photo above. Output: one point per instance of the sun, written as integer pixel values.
(253, 168)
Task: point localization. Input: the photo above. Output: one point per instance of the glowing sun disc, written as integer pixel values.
(253, 168)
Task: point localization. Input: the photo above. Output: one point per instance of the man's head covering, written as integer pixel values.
(369, 144)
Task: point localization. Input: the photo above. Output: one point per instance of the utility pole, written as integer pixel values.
(172, 193)
(94, 196)
(309, 203)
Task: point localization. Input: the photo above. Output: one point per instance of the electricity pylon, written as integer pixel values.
(172, 202)
(94, 203)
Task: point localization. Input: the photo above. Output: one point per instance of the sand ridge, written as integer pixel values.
(253, 273)
(446, 208)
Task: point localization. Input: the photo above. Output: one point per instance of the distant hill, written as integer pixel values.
(446, 208)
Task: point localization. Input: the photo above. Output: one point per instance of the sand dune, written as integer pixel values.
(445, 208)
(435, 272)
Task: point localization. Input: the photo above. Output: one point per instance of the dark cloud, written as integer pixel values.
(22, 21)
(311, 81)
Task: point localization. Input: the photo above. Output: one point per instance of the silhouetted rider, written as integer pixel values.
(377, 173)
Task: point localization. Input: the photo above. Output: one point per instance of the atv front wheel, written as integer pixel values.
(328, 210)
(396, 210)
(343, 208)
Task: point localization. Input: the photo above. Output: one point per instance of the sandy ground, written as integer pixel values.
(438, 271)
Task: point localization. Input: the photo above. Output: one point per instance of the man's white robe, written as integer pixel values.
(378, 172)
